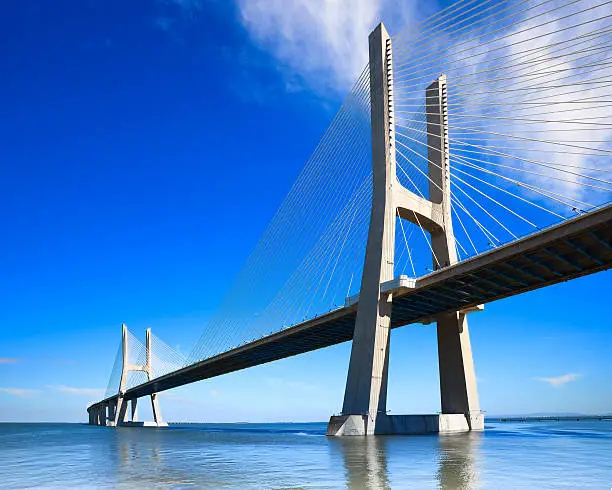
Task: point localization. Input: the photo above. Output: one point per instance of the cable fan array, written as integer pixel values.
(527, 120)
(310, 257)
(308, 260)
(529, 128)
(115, 376)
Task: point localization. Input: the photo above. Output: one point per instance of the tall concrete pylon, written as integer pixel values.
(365, 397)
(118, 413)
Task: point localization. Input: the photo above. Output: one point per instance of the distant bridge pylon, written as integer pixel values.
(115, 412)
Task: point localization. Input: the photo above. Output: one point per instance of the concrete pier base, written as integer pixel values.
(357, 425)
(143, 424)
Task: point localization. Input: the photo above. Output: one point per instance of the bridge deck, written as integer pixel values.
(572, 249)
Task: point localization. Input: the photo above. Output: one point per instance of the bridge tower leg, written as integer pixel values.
(134, 411)
(364, 407)
(149, 370)
(458, 390)
(119, 416)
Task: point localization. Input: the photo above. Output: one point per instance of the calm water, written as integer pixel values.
(522, 455)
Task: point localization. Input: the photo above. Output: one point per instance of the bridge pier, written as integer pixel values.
(365, 398)
(97, 414)
(134, 410)
(458, 391)
(156, 411)
(120, 411)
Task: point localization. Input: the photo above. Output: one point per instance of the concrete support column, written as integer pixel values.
(112, 412)
(121, 411)
(134, 411)
(458, 390)
(156, 411)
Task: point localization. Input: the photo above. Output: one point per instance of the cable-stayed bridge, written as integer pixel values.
(469, 162)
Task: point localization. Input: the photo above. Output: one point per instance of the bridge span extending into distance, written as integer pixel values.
(484, 157)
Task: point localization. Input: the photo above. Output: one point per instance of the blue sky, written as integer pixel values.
(145, 145)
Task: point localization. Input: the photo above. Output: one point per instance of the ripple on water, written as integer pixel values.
(521, 455)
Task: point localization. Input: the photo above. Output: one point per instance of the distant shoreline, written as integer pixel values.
(548, 418)
(514, 418)
(517, 418)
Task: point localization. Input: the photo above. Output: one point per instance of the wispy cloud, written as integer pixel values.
(556, 70)
(19, 391)
(313, 37)
(544, 69)
(324, 42)
(98, 392)
(318, 44)
(9, 360)
(560, 380)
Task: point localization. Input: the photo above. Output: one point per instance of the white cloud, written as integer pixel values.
(19, 391)
(560, 380)
(324, 42)
(9, 360)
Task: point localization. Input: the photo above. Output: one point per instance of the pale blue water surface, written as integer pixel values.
(534, 455)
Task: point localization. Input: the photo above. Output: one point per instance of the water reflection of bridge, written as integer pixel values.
(367, 461)
(451, 461)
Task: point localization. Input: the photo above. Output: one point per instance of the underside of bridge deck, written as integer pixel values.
(573, 249)
(577, 248)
